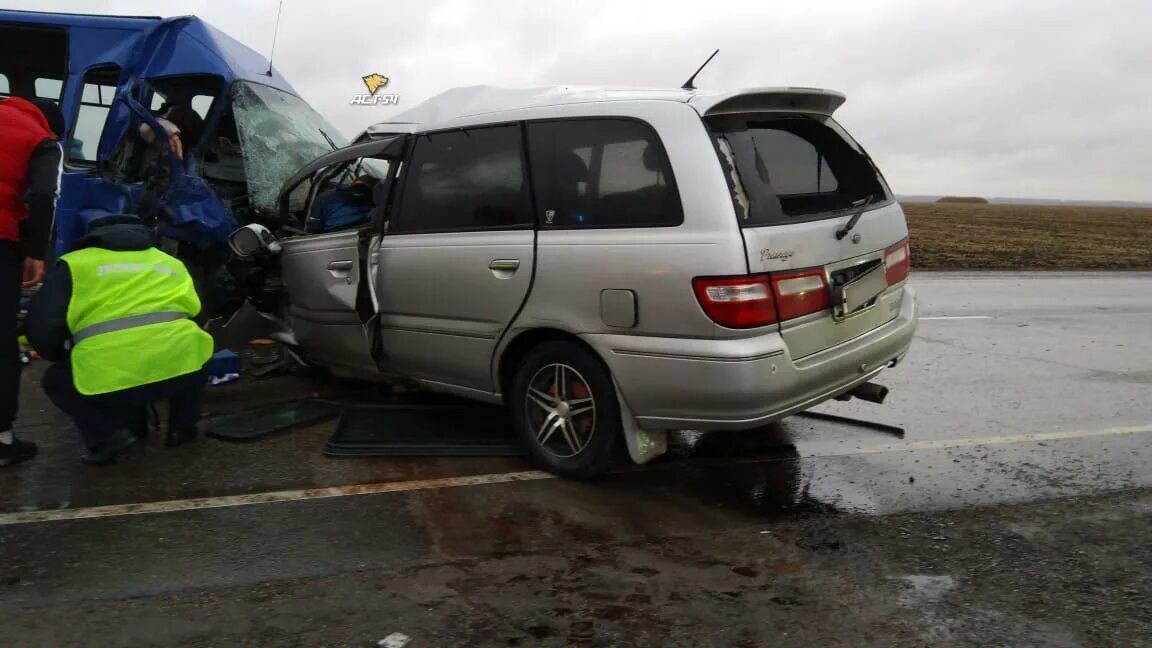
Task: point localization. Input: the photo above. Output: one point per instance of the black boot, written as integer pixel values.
(180, 436)
(139, 423)
(15, 452)
(106, 451)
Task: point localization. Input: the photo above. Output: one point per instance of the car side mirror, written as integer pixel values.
(253, 240)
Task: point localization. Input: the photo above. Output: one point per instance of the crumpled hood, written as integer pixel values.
(119, 237)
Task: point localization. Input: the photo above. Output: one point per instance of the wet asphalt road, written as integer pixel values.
(999, 356)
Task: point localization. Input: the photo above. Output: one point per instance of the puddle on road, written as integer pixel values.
(762, 472)
(924, 589)
(759, 471)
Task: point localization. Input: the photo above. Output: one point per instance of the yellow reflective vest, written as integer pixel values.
(130, 319)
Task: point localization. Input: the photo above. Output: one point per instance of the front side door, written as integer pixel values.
(457, 262)
(329, 310)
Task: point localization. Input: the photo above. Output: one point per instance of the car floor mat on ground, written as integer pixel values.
(378, 396)
(262, 421)
(424, 430)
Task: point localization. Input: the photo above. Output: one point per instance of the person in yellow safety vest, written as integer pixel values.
(115, 316)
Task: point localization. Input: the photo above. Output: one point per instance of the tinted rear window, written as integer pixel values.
(792, 168)
(591, 173)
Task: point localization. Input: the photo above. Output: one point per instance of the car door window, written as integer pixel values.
(351, 195)
(465, 180)
(591, 173)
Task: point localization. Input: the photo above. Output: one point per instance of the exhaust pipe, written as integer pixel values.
(871, 392)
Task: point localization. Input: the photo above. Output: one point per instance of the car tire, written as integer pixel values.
(564, 409)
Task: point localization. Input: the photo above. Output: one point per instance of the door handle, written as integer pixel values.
(341, 270)
(504, 268)
(507, 265)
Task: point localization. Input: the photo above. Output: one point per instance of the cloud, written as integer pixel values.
(1021, 98)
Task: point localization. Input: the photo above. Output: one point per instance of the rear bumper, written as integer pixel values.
(674, 383)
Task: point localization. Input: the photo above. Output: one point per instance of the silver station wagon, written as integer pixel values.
(608, 264)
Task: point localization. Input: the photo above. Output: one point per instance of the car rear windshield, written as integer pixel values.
(792, 168)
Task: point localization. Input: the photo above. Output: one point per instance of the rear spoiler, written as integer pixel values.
(806, 100)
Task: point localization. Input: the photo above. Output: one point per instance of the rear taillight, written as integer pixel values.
(800, 293)
(759, 300)
(897, 262)
(736, 302)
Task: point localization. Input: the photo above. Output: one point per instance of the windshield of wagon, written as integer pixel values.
(279, 133)
(788, 168)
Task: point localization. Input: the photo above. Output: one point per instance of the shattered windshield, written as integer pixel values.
(279, 133)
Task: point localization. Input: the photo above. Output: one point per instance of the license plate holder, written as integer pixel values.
(863, 289)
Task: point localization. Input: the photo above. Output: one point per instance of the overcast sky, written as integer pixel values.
(1025, 98)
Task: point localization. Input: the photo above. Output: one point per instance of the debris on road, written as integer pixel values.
(259, 422)
(394, 640)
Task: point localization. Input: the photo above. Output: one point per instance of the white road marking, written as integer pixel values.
(938, 444)
(227, 501)
(957, 317)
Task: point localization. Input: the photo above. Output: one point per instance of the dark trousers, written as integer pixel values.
(11, 276)
(98, 416)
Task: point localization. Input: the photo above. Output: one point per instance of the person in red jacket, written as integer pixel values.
(30, 165)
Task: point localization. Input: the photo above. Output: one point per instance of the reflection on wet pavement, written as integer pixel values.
(963, 379)
(737, 517)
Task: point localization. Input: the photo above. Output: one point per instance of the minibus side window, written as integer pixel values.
(96, 95)
(48, 88)
(33, 61)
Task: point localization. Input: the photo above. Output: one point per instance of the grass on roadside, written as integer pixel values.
(955, 236)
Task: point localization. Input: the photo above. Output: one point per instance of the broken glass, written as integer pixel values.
(279, 133)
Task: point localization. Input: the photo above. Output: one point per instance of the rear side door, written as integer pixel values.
(457, 261)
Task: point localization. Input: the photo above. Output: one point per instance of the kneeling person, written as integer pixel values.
(115, 315)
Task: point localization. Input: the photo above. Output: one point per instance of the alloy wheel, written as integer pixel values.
(561, 410)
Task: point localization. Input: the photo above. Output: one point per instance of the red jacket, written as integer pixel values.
(22, 128)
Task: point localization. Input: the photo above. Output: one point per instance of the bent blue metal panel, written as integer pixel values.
(92, 41)
(174, 46)
(199, 48)
(144, 48)
(195, 47)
